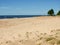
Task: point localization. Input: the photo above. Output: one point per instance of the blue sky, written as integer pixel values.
(28, 7)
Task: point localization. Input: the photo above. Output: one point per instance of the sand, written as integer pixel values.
(28, 31)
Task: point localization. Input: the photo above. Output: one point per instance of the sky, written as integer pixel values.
(28, 7)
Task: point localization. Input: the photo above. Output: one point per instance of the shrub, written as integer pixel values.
(51, 12)
(58, 13)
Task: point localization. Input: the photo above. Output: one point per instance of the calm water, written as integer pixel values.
(17, 16)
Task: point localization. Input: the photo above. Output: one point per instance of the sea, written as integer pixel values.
(17, 16)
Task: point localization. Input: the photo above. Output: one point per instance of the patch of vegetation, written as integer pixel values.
(58, 13)
(51, 12)
(49, 38)
(27, 35)
(41, 38)
(58, 42)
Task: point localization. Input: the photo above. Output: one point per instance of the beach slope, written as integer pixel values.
(29, 31)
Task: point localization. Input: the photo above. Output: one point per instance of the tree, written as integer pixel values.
(51, 12)
(58, 13)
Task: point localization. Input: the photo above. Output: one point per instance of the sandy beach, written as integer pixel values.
(30, 31)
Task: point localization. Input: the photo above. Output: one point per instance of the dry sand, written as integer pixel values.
(28, 31)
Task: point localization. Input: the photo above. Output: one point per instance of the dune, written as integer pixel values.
(30, 31)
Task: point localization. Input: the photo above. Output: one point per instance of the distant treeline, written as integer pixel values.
(51, 12)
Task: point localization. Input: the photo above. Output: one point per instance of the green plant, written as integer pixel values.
(51, 12)
(49, 38)
(58, 13)
(58, 42)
